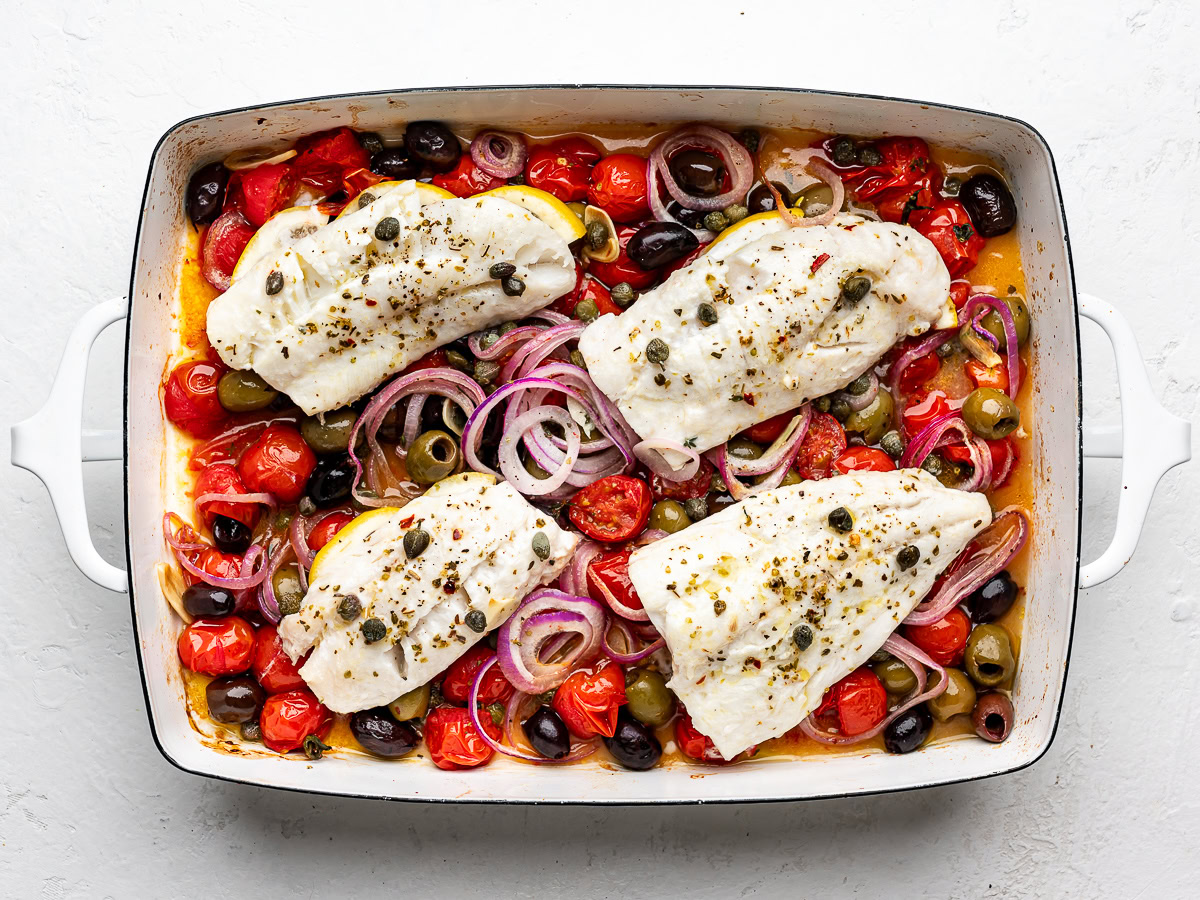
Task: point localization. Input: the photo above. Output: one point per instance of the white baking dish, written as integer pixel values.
(1151, 441)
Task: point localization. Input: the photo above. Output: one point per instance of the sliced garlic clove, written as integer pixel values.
(253, 157)
(170, 582)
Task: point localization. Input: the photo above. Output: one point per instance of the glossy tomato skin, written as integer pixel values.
(591, 289)
(324, 160)
(217, 646)
(325, 530)
(224, 241)
(190, 398)
(992, 377)
(863, 459)
(267, 190)
(279, 462)
(999, 451)
(693, 744)
(766, 432)
(217, 564)
(944, 640)
(695, 487)
(272, 667)
(456, 687)
(619, 187)
(467, 179)
(222, 478)
(919, 371)
(610, 572)
(615, 508)
(960, 292)
(562, 168)
(623, 268)
(949, 229)
(924, 410)
(861, 702)
(824, 442)
(453, 741)
(287, 719)
(588, 702)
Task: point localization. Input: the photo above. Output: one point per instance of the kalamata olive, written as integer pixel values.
(379, 733)
(908, 731)
(993, 716)
(698, 173)
(234, 699)
(989, 203)
(761, 199)
(203, 601)
(692, 218)
(395, 163)
(434, 143)
(547, 733)
(230, 535)
(633, 745)
(660, 243)
(992, 599)
(330, 481)
(206, 193)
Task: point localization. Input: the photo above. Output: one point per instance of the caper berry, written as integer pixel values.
(735, 213)
(841, 520)
(991, 414)
(476, 621)
(587, 311)
(669, 516)
(696, 508)
(274, 282)
(657, 351)
(707, 314)
(715, 221)
(502, 270)
(870, 156)
(802, 637)
(373, 630)
(388, 229)
(855, 288)
(513, 286)
(892, 444)
(244, 391)
(908, 557)
(486, 370)
(416, 541)
(843, 152)
(433, 455)
(350, 608)
(623, 294)
(541, 545)
(597, 235)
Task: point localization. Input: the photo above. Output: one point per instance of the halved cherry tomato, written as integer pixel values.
(466, 178)
(960, 292)
(324, 160)
(267, 189)
(824, 442)
(562, 168)
(291, 718)
(456, 687)
(623, 268)
(278, 462)
(609, 572)
(949, 228)
(991, 377)
(272, 667)
(906, 161)
(858, 702)
(767, 431)
(224, 242)
(695, 487)
(453, 740)
(863, 459)
(217, 646)
(324, 530)
(919, 371)
(619, 187)
(223, 478)
(190, 398)
(944, 640)
(615, 508)
(924, 410)
(588, 701)
(693, 744)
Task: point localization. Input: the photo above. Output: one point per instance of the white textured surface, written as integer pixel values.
(88, 808)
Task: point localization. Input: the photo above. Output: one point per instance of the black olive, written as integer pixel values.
(206, 193)
(203, 601)
(908, 731)
(692, 218)
(370, 141)
(989, 203)
(633, 745)
(330, 481)
(395, 163)
(698, 173)
(762, 200)
(381, 734)
(992, 599)
(230, 535)
(547, 733)
(660, 243)
(234, 699)
(434, 143)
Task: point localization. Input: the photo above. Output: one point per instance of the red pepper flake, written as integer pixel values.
(748, 398)
(819, 261)
(407, 521)
(457, 533)
(371, 302)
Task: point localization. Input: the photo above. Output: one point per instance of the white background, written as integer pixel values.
(88, 808)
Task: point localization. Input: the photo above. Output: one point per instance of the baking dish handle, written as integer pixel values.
(52, 443)
(1150, 442)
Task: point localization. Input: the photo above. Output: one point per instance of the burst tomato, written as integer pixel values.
(217, 564)
(190, 398)
(766, 432)
(824, 442)
(217, 646)
(224, 242)
(944, 640)
(466, 178)
(562, 168)
(619, 187)
(919, 371)
(623, 268)
(271, 666)
(324, 531)
(279, 462)
(1000, 451)
(858, 701)
(615, 508)
(695, 487)
(588, 701)
(222, 478)
(456, 687)
(591, 289)
(906, 162)
(434, 359)
(608, 576)
(324, 160)
(924, 410)
(693, 744)
(863, 459)
(289, 719)
(267, 189)
(453, 740)
(993, 376)
(960, 292)
(949, 228)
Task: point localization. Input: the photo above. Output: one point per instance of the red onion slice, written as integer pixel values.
(504, 342)
(629, 655)
(1012, 358)
(499, 153)
(264, 498)
(534, 351)
(859, 402)
(815, 162)
(736, 158)
(924, 347)
(941, 432)
(181, 543)
(789, 439)
(510, 464)
(574, 578)
(521, 640)
(649, 454)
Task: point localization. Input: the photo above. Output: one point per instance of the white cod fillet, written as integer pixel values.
(781, 336)
(354, 309)
(481, 546)
(729, 592)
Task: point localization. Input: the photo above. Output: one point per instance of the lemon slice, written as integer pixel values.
(544, 206)
(749, 229)
(281, 230)
(428, 193)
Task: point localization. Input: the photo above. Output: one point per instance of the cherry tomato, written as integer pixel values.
(562, 168)
(224, 479)
(695, 487)
(267, 189)
(588, 701)
(860, 700)
(217, 646)
(289, 719)
(278, 462)
(1000, 450)
(608, 574)
(693, 744)
(453, 740)
(949, 228)
(456, 687)
(434, 359)
(324, 531)
(960, 292)
(991, 377)
(593, 290)
(324, 160)
(466, 178)
(619, 187)
(190, 398)
(615, 508)
(906, 162)
(944, 640)
(924, 410)
(271, 666)
(824, 442)
(863, 459)
(766, 432)
(919, 371)
(224, 242)
(623, 268)
(217, 564)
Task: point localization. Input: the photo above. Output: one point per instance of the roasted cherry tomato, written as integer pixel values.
(608, 574)
(960, 292)
(615, 508)
(217, 564)
(456, 687)
(591, 289)
(190, 398)
(267, 189)
(766, 432)
(562, 168)
(824, 442)
(859, 701)
(695, 487)
(693, 744)
(863, 459)
(289, 719)
(991, 377)
(324, 530)
(588, 701)
(944, 640)
(949, 228)
(466, 178)
(324, 160)
(217, 646)
(222, 478)
(619, 187)
(279, 462)
(434, 359)
(924, 410)
(271, 666)
(1003, 453)
(623, 268)
(224, 242)
(919, 371)
(905, 162)
(453, 740)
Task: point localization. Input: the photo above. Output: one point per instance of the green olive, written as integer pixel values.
(650, 700)
(669, 516)
(991, 413)
(896, 677)
(288, 593)
(989, 656)
(244, 391)
(432, 456)
(815, 200)
(534, 469)
(332, 435)
(873, 421)
(958, 698)
(740, 448)
(412, 705)
(1021, 320)
(791, 477)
